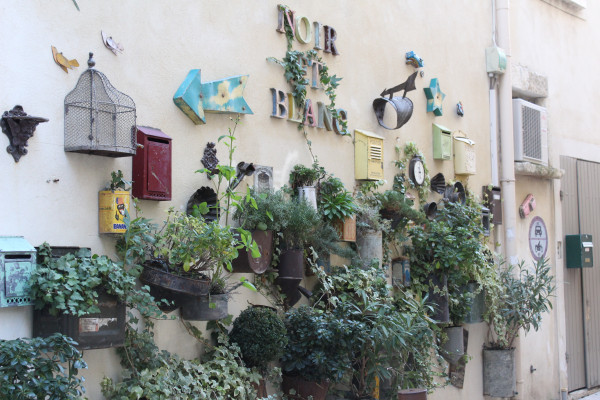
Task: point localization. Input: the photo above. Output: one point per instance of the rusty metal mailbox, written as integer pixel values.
(152, 165)
(17, 261)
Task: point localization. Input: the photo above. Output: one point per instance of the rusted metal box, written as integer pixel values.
(152, 165)
(492, 199)
(17, 261)
(93, 331)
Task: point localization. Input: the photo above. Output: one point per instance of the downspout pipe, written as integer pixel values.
(507, 158)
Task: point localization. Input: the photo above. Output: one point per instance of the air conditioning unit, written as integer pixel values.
(530, 124)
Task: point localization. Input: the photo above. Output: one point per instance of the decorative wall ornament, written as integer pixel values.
(209, 159)
(527, 206)
(402, 105)
(63, 61)
(438, 183)
(111, 44)
(19, 127)
(413, 59)
(223, 96)
(208, 196)
(263, 178)
(435, 96)
(455, 193)
(460, 110)
(99, 119)
(243, 169)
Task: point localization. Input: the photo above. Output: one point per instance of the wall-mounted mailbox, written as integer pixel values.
(152, 165)
(17, 261)
(442, 143)
(485, 220)
(492, 199)
(464, 155)
(580, 249)
(368, 156)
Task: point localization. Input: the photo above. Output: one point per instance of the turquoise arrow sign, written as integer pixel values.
(224, 96)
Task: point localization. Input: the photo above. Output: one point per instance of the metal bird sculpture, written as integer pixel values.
(110, 43)
(63, 61)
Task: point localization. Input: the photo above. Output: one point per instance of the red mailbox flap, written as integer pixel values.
(159, 162)
(152, 165)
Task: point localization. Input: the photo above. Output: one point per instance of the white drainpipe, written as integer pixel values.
(507, 155)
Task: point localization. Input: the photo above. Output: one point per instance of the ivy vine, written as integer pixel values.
(411, 150)
(295, 63)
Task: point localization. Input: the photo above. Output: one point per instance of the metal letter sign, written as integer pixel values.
(538, 238)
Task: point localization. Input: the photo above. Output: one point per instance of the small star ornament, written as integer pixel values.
(435, 96)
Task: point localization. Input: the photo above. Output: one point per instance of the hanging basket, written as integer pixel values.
(99, 119)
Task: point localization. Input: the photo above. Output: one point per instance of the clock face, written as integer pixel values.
(417, 171)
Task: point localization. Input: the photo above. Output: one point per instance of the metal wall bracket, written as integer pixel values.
(19, 127)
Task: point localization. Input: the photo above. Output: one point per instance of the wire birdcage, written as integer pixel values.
(99, 119)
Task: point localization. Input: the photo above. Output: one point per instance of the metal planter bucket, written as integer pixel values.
(475, 314)
(499, 378)
(246, 263)
(439, 301)
(197, 308)
(303, 388)
(175, 283)
(412, 394)
(453, 349)
(291, 264)
(370, 246)
(308, 194)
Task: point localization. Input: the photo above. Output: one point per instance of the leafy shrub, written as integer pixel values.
(261, 336)
(41, 368)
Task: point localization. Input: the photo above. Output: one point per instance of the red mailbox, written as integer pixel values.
(152, 165)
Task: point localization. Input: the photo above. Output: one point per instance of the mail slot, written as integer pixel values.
(580, 251)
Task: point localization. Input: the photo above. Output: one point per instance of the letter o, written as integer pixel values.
(307, 25)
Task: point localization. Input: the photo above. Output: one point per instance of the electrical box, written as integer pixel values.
(464, 155)
(17, 261)
(368, 156)
(495, 60)
(442, 143)
(152, 165)
(580, 249)
(492, 199)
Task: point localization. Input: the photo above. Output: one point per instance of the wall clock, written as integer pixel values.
(416, 171)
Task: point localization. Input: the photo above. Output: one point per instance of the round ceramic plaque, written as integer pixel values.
(538, 238)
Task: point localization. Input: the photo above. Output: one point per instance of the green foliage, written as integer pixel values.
(264, 211)
(451, 245)
(41, 368)
(301, 175)
(261, 336)
(317, 345)
(299, 225)
(380, 332)
(335, 202)
(70, 284)
(221, 376)
(118, 181)
(524, 296)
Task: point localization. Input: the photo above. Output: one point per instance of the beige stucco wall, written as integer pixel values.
(164, 41)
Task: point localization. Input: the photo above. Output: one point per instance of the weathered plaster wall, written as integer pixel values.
(162, 43)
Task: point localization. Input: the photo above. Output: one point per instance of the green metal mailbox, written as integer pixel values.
(579, 251)
(17, 261)
(442, 143)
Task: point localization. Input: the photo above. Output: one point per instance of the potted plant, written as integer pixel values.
(338, 207)
(261, 336)
(315, 355)
(303, 180)
(83, 297)
(262, 215)
(114, 204)
(299, 223)
(517, 302)
(40, 368)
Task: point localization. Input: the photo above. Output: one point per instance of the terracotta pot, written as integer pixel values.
(246, 263)
(304, 389)
(197, 308)
(291, 264)
(412, 394)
